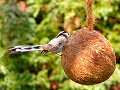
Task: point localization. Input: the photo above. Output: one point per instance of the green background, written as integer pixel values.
(41, 21)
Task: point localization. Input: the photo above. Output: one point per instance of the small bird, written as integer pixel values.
(55, 46)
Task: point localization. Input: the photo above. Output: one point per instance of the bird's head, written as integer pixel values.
(64, 34)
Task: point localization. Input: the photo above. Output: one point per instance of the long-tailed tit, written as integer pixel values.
(54, 46)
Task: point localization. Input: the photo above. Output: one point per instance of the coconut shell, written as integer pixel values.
(88, 58)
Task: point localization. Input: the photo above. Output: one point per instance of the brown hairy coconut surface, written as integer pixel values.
(88, 57)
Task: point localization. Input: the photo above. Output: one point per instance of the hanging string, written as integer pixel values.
(90, 18)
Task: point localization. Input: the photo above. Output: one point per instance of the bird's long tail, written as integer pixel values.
(25, 48)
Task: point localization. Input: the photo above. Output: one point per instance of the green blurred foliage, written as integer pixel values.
(38, 25)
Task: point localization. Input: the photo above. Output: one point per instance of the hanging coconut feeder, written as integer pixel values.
(88, 57)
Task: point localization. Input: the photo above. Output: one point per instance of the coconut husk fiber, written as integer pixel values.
(88, 58)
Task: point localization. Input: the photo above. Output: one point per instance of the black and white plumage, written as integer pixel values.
(54, 46)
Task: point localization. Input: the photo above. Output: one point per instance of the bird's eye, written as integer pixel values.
(68, 34)
(60, 43)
